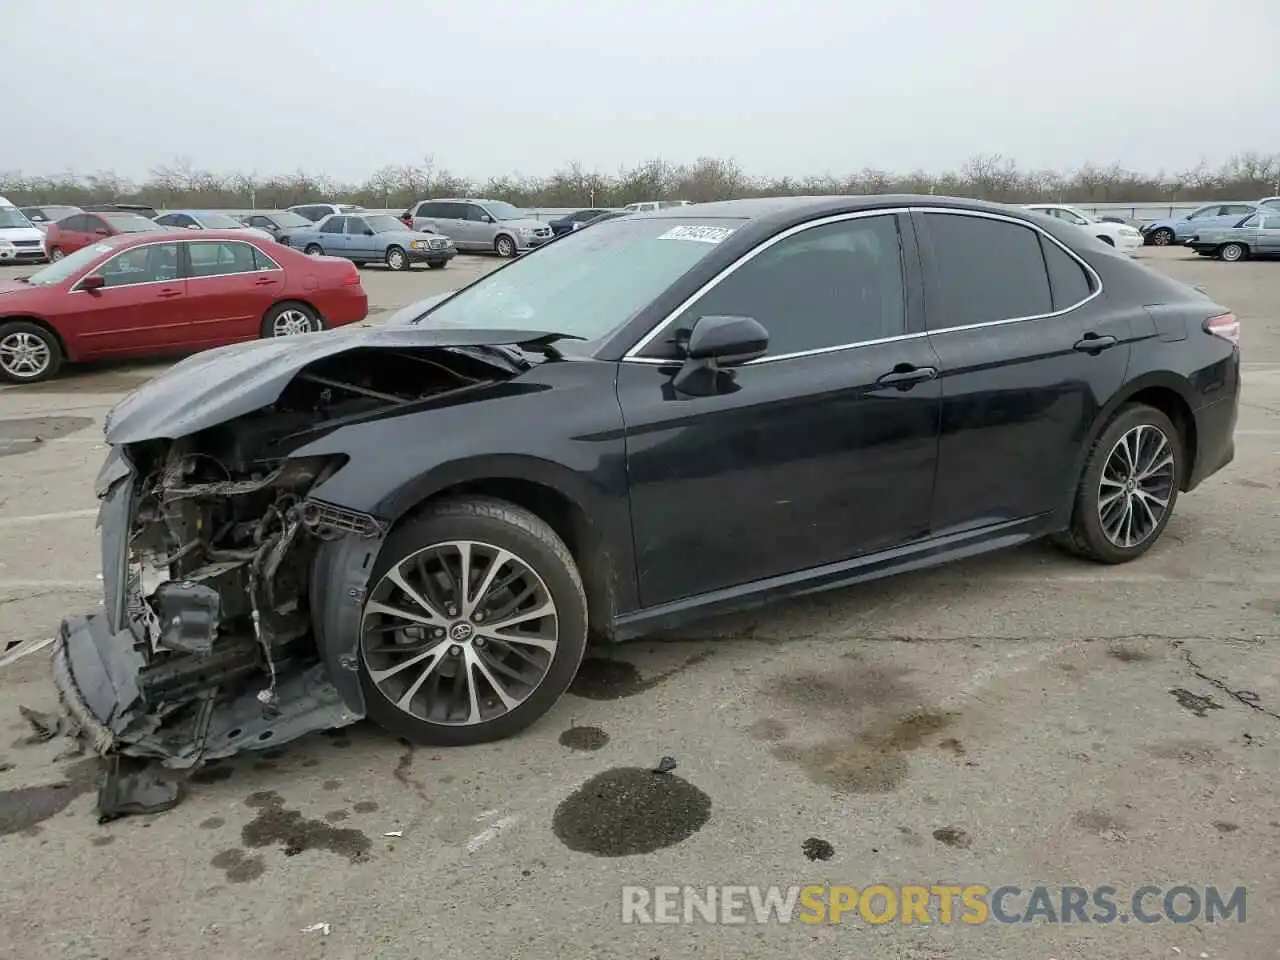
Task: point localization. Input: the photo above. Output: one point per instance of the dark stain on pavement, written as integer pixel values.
(365, 806)
(1097, 821)
(277, 825)
(841, 691)
(628, 811)
(815, 848)
(213, 773)
(212, 823)
(873, 761)
(1225, 826)
(953, 837)
(1192, 753)
(768, 730)
(22, 808)
(604, 678)
(1194, 702)
(1128, 654)
(103, 841)
(336, 816)
(24, 435)
(584, 738)
(239, 868)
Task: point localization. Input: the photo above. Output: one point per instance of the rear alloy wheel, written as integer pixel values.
(475, 624)
(1231, 252)
(290, 320)
(505, 246)
(397, 259)
(314, 250)
(1129, 487)
(55, 255)
(28, 352)
(1162, 237)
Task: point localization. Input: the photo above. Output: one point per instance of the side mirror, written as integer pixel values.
(727, 341)
(94, 281)
(714, 344)
(487, 219)
(100, 232)
(368, 232)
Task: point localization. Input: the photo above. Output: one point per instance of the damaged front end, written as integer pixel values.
(224, 577)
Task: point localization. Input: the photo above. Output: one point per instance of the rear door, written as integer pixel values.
(1268, 242)
(332, 236)
(361, 240)
(1029, 354)
(141, 310)
(228, 290)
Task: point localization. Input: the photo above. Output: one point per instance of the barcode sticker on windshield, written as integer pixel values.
(698, 234)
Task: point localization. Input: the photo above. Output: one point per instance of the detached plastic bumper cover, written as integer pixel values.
(94, 672)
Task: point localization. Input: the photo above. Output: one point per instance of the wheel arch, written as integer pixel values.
(44, 325)
(552, 492)
(1168, 394)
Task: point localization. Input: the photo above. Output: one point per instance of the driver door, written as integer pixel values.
(808, 456)
(139, 308)
(360, 240)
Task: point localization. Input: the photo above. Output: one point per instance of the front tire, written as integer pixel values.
(444, 665)
(28, 353)
(1232, 252)
(505, 246)
(1128, 489)
(397, 259)
(1162, 238)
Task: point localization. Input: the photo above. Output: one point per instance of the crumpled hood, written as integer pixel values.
(218, 385)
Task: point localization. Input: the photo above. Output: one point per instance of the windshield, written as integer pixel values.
(131, 222)
(290, 220)
(588, 283)
(501, 210)
(383, 223)
(218, 221)
(73, 263)
(12, 217)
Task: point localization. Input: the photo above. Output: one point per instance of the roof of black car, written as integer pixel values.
(760, 207)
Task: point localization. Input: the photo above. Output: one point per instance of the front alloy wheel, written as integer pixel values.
(28, 353)
(474, 626)
(505, 246)
(1162, 237)
(1231, 252)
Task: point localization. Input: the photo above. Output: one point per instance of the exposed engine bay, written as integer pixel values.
(213, 650)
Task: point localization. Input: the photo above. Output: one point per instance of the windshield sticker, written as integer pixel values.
(698, 234)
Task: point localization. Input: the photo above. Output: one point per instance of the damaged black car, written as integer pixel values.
(666, 416)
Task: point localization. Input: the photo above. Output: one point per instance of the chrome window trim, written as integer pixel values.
(237, 273)
(76, 288)
(1095, 285)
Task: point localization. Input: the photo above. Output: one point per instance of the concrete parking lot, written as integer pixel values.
(1020, 719)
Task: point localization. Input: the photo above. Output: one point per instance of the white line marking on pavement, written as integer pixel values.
(6, 584)
(488, 835)
(46, 517)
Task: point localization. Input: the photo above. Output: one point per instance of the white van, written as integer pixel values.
(648, 206)
(20, 241)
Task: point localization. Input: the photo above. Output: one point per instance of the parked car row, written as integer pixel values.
(1118, 235)
(1177, 230)
(142, 290)
(370, 238)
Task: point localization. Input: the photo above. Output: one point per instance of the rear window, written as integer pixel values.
(131, 222)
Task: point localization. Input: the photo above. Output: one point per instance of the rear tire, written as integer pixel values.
(56, 254)
(314, 250)
(1128, 488)
(28, 353)
(1233, 252)
(442, 689)
(290, 319)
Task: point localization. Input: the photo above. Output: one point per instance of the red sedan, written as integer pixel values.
(81, 229)
(142, 294)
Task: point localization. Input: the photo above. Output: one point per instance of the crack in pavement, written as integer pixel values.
(1246, 697)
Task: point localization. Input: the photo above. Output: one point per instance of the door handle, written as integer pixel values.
(167, 294)
(263, 282)
(905, 376)
(1092, 343)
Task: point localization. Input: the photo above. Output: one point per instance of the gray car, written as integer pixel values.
(477, 224)
(371, 238)
(1256, 236)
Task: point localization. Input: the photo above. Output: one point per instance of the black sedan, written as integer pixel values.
(666, 416)
(277, 223)
(572, 221)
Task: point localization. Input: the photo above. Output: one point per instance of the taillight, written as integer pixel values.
(352, 279)
(1226, 326)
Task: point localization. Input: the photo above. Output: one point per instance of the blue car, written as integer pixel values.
(1164, 233)
(371, 238)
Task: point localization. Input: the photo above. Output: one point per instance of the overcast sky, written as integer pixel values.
(781, 86)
